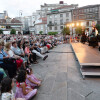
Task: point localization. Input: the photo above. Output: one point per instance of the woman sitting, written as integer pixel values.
(8, 50)
(19, 52)
(5, 64)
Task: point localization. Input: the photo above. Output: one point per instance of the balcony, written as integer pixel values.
(50, 24)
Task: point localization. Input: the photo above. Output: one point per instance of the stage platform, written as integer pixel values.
(88, 58)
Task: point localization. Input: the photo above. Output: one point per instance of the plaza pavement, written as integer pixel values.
(62, 79)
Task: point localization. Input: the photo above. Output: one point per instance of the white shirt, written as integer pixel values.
(7, 96)
(11, 53)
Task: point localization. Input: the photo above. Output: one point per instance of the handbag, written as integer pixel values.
(9, 60)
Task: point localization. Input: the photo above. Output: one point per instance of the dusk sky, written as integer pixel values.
(29, 6)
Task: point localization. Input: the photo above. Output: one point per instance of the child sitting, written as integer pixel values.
(31, 79)
(22, 90)
(6, 89)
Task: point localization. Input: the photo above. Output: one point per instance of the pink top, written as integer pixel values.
(27, 50)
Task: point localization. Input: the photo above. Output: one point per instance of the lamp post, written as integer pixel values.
(72, 27)
(20, 17)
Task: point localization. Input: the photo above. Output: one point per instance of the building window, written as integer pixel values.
(50, 28)
(41, 27)
(50, 17)
(96, 16)
(50, 22)
(49, 9)
(55, 22)
(91, 10)
(61, 15)
(55, 16)
(55, 27)
(87, 10)
(67, 14)
(87, 23)
(87, 17)
(61, 21)
(61, 27)
(67, 20)
(8, 27)
(96, 9)
(91, 16)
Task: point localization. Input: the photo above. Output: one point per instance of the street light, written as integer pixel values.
(67, 25)
(77, 24)
(81, 24)
(70, 25)
(73, 25)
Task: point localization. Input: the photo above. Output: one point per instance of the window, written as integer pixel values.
(91, 10)
(87, 23)
(61, 21)
(96, 16)
(55, 22)
(50, 22)
(55, 16)
(96, 9)
(81, 17)
(49, 8)
(50, 28)
(87, 16)
(67, 14)
(55, 27)
(8, 27)
(84, 10)
(41, 27)
(67, 20)
(87, 10)
(61, 15)
(91, 16)
(61, 27)
(50, 16)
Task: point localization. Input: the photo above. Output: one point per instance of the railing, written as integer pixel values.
(50, 24)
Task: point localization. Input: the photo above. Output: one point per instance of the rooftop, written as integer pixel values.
(88, 6)
(11, 21)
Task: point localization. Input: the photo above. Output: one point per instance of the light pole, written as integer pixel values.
(20, 17)
(72, 27)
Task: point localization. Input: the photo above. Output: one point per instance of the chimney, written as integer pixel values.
(61, 2)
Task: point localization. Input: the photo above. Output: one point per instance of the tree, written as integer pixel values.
(66, 31)
(13, 31)
(98, 27)
(78, 30)
(41, 32)
(52, 33)
(1, 31)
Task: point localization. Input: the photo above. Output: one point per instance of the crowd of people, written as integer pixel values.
(17, 54)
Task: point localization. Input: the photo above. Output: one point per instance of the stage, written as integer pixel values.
(88, 58)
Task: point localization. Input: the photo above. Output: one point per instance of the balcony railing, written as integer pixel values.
(50, 24)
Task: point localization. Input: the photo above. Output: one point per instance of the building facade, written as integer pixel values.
(28, 23)
(47, 11)
(88, 15)
(8, 24)
(41, 25)
(3, 15)
(58, 17)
